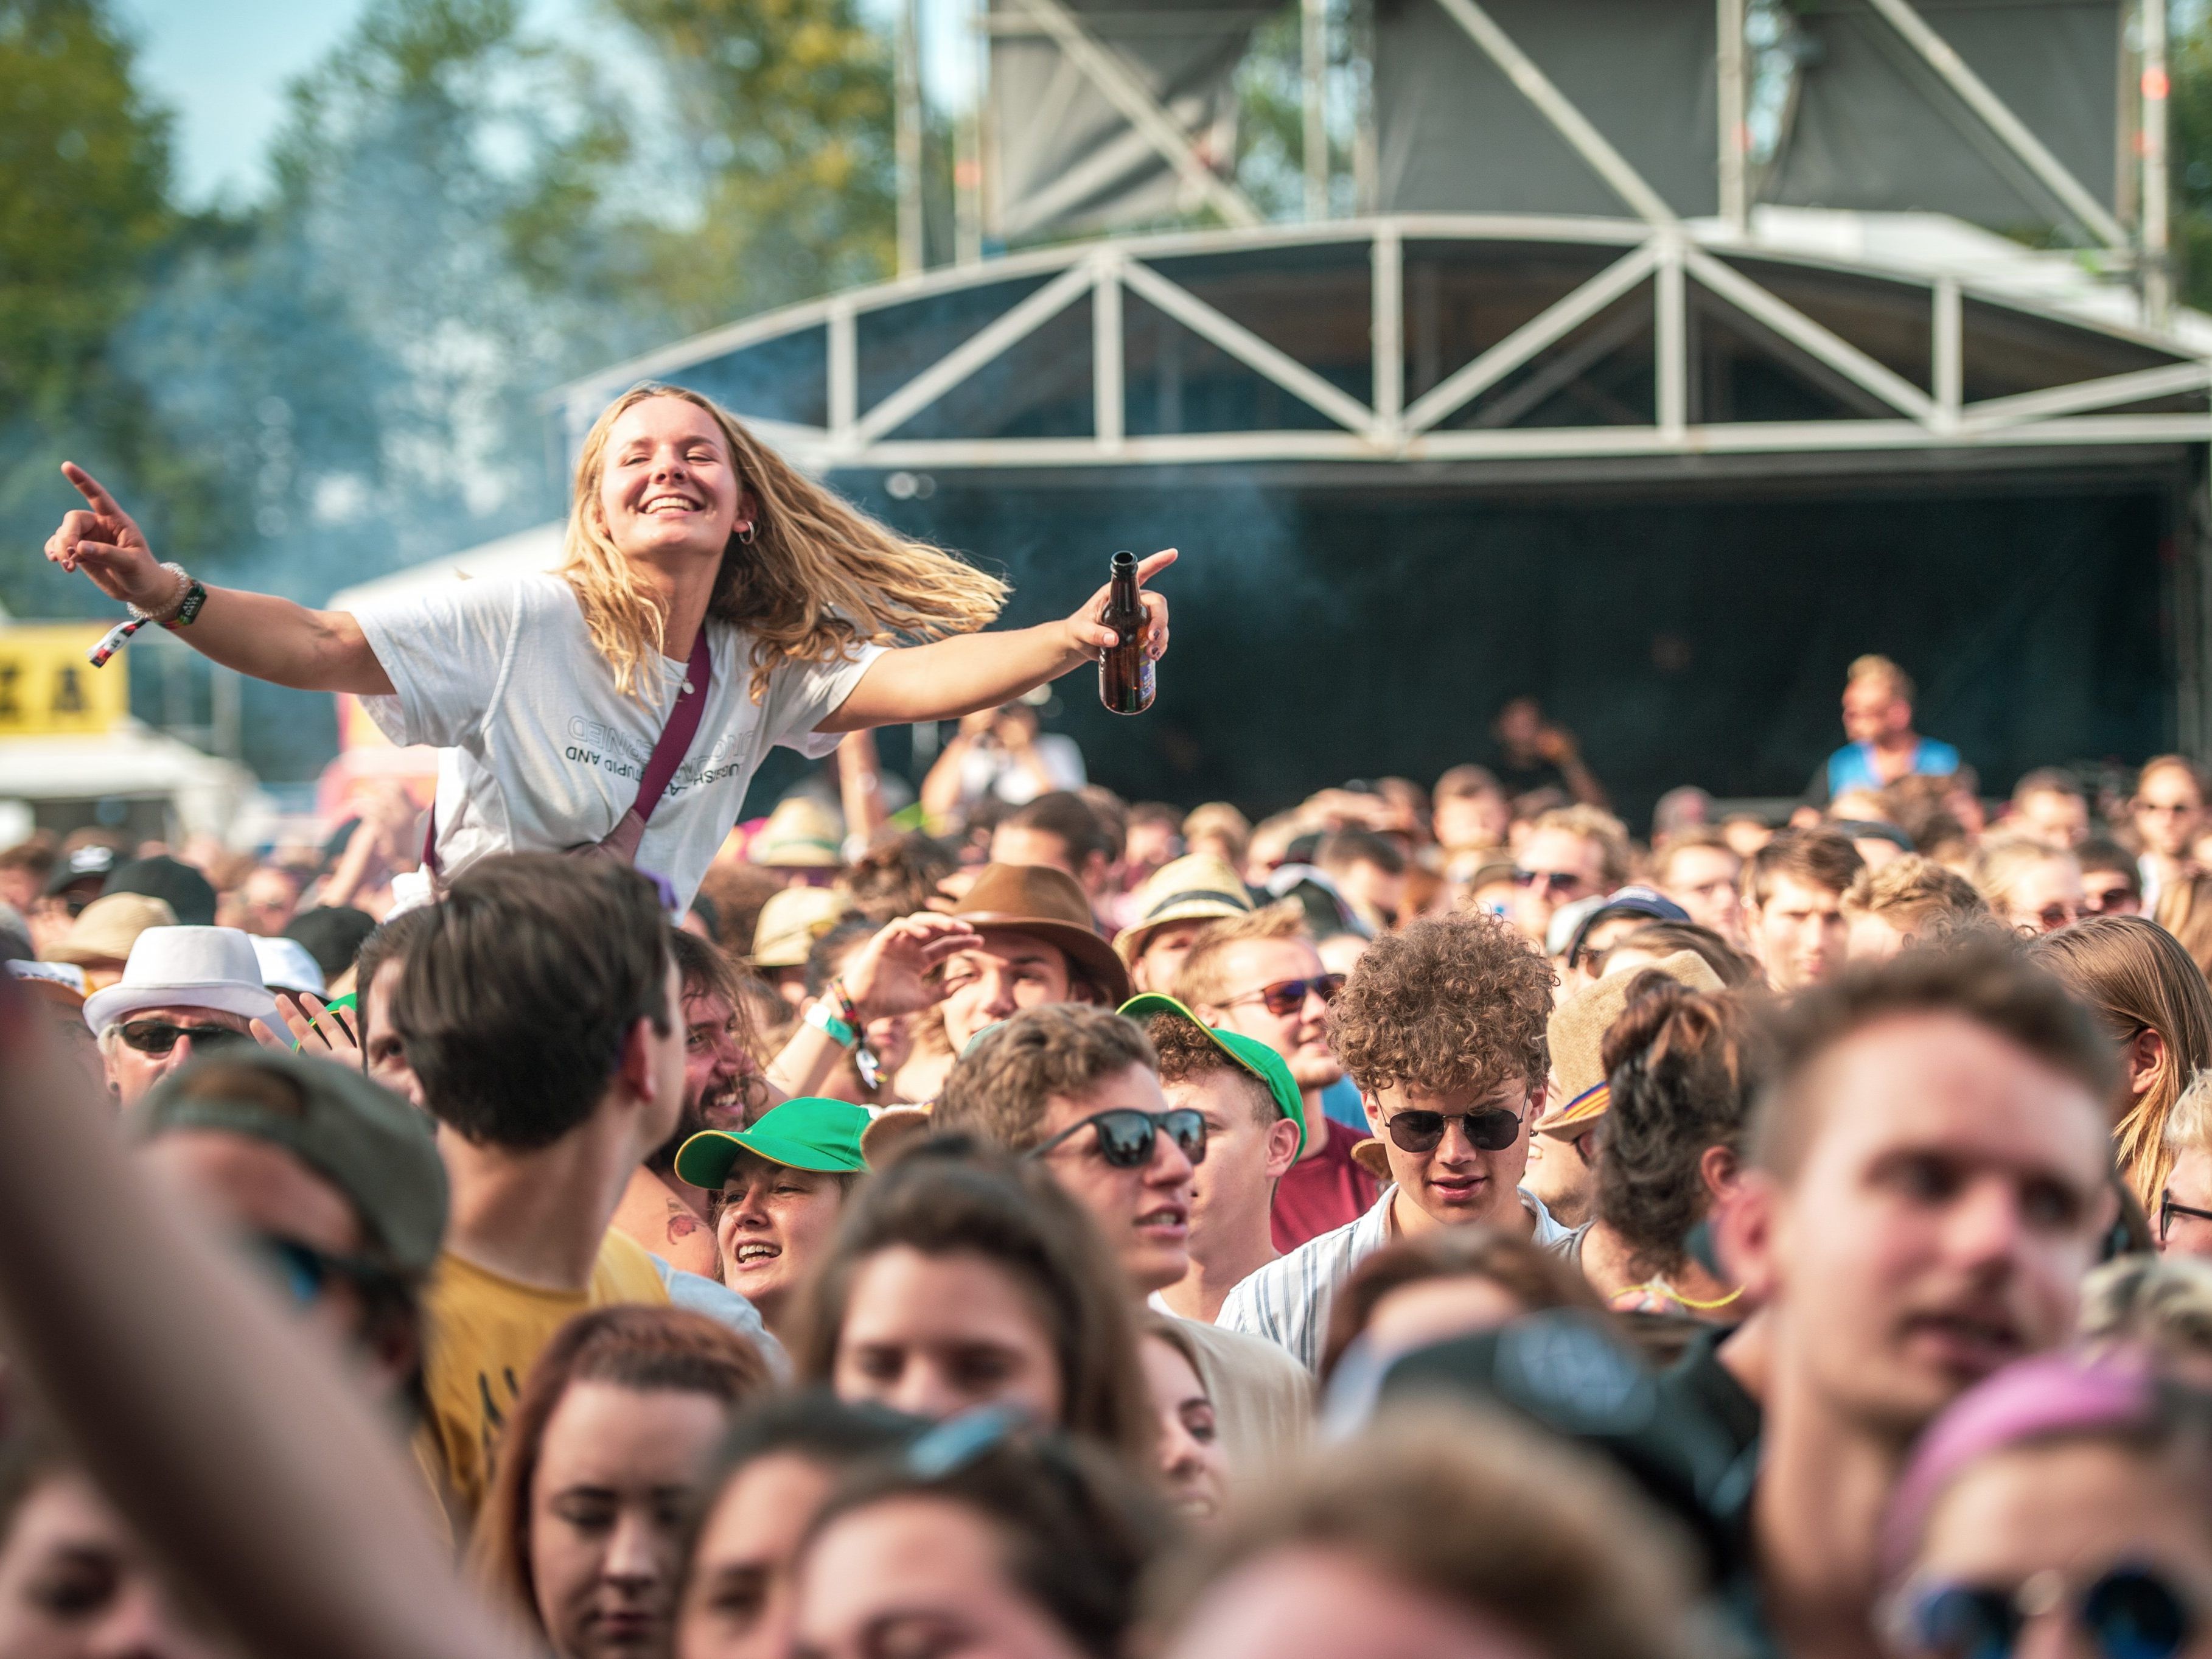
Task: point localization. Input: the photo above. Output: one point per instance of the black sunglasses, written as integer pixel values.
(2127, 1612)
(1126, 1136)
(2167, 1209)
(158, 1037)
(1286, 996)
(1491, 1129)
(304, 1270)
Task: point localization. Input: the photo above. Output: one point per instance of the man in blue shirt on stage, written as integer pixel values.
(1883, 746)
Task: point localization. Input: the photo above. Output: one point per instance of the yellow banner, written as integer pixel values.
(47, 689)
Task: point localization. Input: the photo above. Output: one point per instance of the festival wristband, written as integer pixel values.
(819, 1017)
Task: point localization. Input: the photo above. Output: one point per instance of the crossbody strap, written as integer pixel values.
(675, 740)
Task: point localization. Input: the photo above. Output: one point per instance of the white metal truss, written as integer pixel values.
(1386, 429)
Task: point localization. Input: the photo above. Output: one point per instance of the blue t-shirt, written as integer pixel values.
(1851, 767)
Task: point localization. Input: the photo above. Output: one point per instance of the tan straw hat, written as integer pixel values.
(1199, 887)
(1577, 1031)
(105, 929)
(789, 924)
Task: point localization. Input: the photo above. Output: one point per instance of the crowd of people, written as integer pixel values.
(1019, 1222)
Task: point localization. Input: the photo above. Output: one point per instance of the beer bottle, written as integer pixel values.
(1125, 671)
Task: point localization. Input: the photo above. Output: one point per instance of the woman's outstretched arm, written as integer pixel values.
(257, 634)
(947, 678)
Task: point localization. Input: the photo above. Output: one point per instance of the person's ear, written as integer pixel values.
(1747, 1228)
(638, 1071)
(2143, 1057)
(1718, 1168)
(1282, 1148)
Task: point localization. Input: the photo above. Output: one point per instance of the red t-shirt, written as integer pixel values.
(1321, 1192)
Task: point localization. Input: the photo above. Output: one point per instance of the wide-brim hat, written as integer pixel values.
(789, 924)
(1045, 904)
(798, 835)
(809, 1133)
(1198, 887)
(186, 968)
(287, 966)
(105, 929)
(1576, 1034)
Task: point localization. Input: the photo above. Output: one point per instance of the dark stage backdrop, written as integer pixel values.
(1323, 634)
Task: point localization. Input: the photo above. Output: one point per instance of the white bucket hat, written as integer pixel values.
(185, 967)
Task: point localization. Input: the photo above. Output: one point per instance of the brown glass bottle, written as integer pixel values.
(1126, 673)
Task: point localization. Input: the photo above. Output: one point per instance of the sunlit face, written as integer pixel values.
(2045, 896)
(2169, 812)
(132, 1073)
(1166, 946)
(668, 486)
(1143, 1213)
(741, 1600)
(2053, 815)
(2077, 1509)
(1871, 938)
(936, 1335)
(776, 1222)
(1950, 1197)
(1799, 935)
(385, 1057)
(1873, 710)
(75, 1584)
(1301, 1037)
(1557, 867)
(1456, 1180)
(918, 1576)
(1303, 1601)
(1233, 1188)
(1192, 1466)
(1703, 881)
(267, 899)
(717, 1072)
(1002, 975)
(1465, 822)
(615, 1472)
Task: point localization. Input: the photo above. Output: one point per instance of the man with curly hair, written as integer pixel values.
(1442, 1027)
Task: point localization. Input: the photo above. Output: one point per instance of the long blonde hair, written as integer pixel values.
(2134, 975)
(817, 578)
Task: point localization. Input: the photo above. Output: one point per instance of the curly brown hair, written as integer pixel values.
(1185, 1051)
(1450, 1002)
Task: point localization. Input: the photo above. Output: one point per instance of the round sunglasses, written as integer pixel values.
(2129, 1612)
(1491, 1129)
(1126, 1136)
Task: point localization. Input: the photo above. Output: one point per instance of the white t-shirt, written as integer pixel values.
(541, 753)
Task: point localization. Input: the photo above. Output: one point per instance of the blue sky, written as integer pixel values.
(222, 66)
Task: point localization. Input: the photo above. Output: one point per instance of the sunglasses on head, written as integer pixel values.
(2127, 1612)
(158, 1037)
(1286, 996)
(1126, 1136)
(1491, 1129)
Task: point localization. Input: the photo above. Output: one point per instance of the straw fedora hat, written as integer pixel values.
(1197, 887)
(105, 929)
(1045, 904)
(1578, 1030)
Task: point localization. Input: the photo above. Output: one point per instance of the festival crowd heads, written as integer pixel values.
(978, 1215)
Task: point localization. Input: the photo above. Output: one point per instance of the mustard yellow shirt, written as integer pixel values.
(483, 1332)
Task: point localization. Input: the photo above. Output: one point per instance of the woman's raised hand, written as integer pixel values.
(1093, 636)
(108, 545)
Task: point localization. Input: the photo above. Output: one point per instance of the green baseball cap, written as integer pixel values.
(1255, 1056)
(807, 1133)
(359, 1136)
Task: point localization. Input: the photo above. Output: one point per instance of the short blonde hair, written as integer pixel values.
(1910, 892)
(1202, 978)
(1593, 823)
(1873, 666)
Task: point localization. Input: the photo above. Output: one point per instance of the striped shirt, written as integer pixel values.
(1287, 1301)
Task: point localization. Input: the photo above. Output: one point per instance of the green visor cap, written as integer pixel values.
(807, 1133)
(1255, 1056)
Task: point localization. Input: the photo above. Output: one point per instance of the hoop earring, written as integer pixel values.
(746, 534)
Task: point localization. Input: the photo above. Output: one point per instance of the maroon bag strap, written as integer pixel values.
(675, 740)
(668, 748)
